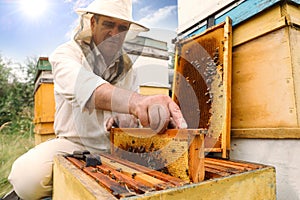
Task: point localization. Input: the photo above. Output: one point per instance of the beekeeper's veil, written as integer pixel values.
(120, 9)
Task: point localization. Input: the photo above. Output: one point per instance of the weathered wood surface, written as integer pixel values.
(70, 182)
(263, 83)
(225, 179)
(266, 133)
(266, 81)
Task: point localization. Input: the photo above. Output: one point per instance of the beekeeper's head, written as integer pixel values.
(106, 23)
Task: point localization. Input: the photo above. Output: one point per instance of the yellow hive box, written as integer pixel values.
(224, 180)
(266, 76)
(44, 104)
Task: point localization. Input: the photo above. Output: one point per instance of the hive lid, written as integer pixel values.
(202, 84)
(43, 64)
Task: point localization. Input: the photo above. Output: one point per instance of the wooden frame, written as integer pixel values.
(202, 84)
(181, 149)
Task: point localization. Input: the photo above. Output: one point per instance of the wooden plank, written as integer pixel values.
(246, 10)
(240, 12)
(215, 173)
(196, 159)
(235, 164)
(294, 41)
(216, 163)
(221, 168)
(266, 133)
(293, 14)
(69, 182)
(264, 23)
(227, 64)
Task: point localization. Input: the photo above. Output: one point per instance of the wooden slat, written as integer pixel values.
(266, 22)
(293, 14)
(196, 159)
(294, 38)
(214, 173)
(229, 165)
(266, 133)
(69, 182)
(116, 189)
(144, 178)
(123, 179)
(156, 174)
(227, 65)
(221, 168)
(111, 185)
(236, 163)
(219, 150)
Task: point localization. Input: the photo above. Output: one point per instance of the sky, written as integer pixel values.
(33, 28)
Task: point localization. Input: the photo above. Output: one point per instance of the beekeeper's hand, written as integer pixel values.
(154, 111)
(122, 121)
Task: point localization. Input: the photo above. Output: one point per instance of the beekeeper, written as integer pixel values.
(94, 90)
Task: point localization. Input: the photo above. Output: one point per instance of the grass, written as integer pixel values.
(15, 139)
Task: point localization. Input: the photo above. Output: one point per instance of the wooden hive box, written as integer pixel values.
(224, 179)
(44, 105)
(202, 90)
(265, 89)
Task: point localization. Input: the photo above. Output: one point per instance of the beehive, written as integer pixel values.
(265, 89)
(44, 105)
(203, 57)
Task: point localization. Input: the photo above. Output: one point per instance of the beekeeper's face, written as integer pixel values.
(108, 34)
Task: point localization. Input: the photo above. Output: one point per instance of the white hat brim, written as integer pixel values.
(135, 26)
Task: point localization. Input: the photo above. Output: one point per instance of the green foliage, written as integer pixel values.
(16, 96)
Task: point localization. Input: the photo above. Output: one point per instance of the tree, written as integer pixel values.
(16, 96)
(4, 90)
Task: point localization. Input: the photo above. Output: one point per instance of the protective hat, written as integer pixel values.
(120, 9)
